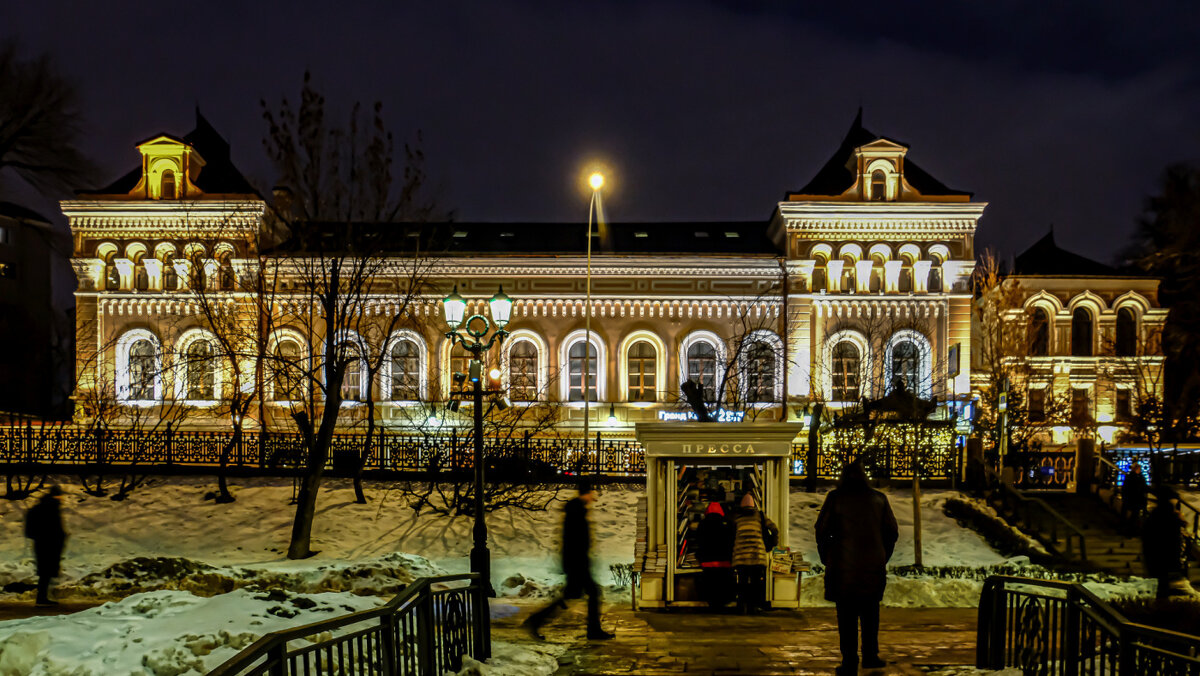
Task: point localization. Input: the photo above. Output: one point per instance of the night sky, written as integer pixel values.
(703, 110)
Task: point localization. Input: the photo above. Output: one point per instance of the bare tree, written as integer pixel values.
(338, 189)
(40, 125)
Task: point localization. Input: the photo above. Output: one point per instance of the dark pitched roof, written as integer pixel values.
(218, 176)
(705, 238)
(837, 176)
(1048, 259)
(16, 211)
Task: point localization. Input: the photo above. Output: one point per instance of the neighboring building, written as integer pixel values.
(859, 281)
(1084, 343)
(29, 329)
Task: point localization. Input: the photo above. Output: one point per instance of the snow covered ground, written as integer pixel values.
(189, 575)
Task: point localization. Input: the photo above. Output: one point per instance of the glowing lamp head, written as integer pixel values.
(494, 374)
(455, 307)
(596, 180)
(501, 308)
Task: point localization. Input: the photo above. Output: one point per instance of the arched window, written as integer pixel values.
(575, 357)
(112, 275)
(702, 368)
(1081, 333)
(143, 367)
(1126, 332)
(285, 371)
(759, 372)
(406, 371)
(878, 185)
(1039, 333)
(846, 371)
(906, 367)
(352, 385)
(200, 372)
(642, 361)
(523, 371)
(166, 185)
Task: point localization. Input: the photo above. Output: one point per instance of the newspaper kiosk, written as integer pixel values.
(688, 466)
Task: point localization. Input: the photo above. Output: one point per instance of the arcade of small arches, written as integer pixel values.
(197, 368)
(852, 267)
(166, 267)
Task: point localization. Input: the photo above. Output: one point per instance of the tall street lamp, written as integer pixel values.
(596, 181)
(477, 343)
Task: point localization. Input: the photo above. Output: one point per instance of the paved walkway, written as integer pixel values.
(778, 642)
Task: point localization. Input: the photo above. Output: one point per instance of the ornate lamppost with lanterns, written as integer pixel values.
(477, 342)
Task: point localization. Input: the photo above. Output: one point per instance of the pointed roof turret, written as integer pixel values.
(1046, 258)
(840, 173)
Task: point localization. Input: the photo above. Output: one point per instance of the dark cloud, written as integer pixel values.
(704, 111)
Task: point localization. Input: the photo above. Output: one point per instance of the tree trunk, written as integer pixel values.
(318, 454)
(359, 496)
(223, 494)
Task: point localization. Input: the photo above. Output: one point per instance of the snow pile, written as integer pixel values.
(164, 632)
(511, 659)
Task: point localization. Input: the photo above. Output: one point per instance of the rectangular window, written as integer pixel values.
(1124, 412)
(1081, 406)
(3, 235)
(1037, 405)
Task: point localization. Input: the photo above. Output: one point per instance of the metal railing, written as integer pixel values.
(1060, 628)
(1039, 519)
(425, 630)
(62, 448)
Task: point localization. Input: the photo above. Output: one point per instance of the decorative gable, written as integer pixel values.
(169, 169)
(880, 170)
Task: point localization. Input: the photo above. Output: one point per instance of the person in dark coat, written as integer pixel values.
(753, 535)
(856, 533)
(715, 554)
(577, 564)
(1133, 495)
(43, 525)
(1163, 545)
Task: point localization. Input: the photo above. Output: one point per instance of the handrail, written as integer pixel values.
(273, 646)
(1056, 519)
(1089, 636)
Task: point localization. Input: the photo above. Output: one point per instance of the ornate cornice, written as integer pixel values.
(162, 218)
(880, 307)
(882, 220)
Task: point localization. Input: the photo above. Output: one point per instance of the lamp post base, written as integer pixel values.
(481, 562)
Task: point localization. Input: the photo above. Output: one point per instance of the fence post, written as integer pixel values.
(426, 657)
(483, 621)
(170, 444)
(387, 627)
(989, 641)
(29, 440)
(277, 659)
(596, 467)
(1071, 656)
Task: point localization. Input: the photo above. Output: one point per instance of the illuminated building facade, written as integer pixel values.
(1087, 349)
(859, 281)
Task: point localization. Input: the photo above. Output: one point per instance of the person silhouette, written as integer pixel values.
(577, 564)
(43, 525)
(856, 534)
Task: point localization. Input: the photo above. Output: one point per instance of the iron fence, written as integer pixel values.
(426, 630)
(1060, 628)
(68, 448)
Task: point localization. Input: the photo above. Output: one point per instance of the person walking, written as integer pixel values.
(856, 534)
(577, 564)
(43, 525)
(1133, 496)
(1163, 546)
(754, 536)
(715, 554)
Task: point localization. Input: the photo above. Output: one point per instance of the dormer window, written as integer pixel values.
(166, 186)
(878, 185)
